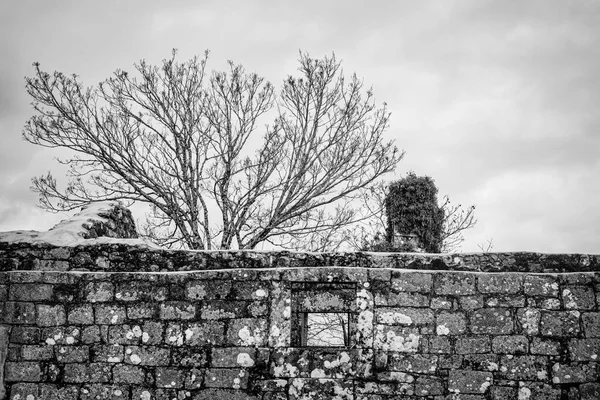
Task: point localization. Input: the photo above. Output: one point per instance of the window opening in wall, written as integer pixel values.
(323, 314)
(325, 329)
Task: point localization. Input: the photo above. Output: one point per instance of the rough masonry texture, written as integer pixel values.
(122, 321)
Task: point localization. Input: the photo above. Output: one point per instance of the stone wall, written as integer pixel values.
(85, 315)
(81, 323)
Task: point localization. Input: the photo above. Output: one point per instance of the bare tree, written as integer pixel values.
(188, 144)
(456, 221)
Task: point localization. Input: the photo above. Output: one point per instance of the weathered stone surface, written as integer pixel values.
(24, 371)
(575, 373)
(450, 323)
(536, 285)
(530, 368)
(496, 321)
(473, 344)
(500, 283)
(404, 316)
(591, 324)
(411, 282)
(584, 349)
(510, 344)
(469, 381)
(455, 284)
(578, 298)
(560, 323)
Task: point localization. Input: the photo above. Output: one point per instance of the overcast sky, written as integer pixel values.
(498, 101)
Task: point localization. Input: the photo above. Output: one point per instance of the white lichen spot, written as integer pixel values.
(260, 293)
(135, 359)
(70, 340)
(317, 373)
(275, 332)
(484, 386)
(145, 395)
(245, 360)
(287, 312)
(188, 334)
(113, 359)
(492, 366)
(17, 397)
(50, 342)
(542, 375)
(30, 397)
(236, 383)
(114, 319)
(145, 338)
(524, 393)
(442, 330)
(118, 392)
(394, 318)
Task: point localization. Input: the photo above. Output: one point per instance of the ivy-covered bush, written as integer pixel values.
(411, 208)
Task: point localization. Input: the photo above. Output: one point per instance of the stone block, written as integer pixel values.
(233, 357)
(152, 332)
(584, 349)
(247, 332)
(229, 394)
(437, 344)
(99, 291)
(472, 345)
(463, 381)
(48, 315)
(170, 378)
(530, 368)
(223, 309)
(320, 388)
(72, 354)
(401, 299)
(413, 364)
(54, 392)
(396, 338)
(529, 320)
(578, 298)
(91, 334)
(500, 283)
(207, 290)
(411, 282)
(24, 335)
(560, 323)
(539, 285)
(503, 393)
(202, 333)
(76, 373)
(16, 312)
(468, 303)
(81, 314)
(177, 310)
(441, 303)
(495, 321)
(547, 347)
(538, 391)
(455, 283)
(505, 344)
(23, 391)
(109, 314)
(505, 301)
(23, 371)
(226, 378)
(404, 316)
(140, 291)
(124, 334)
(250, 290)
(107, 353)
(194, 378)
(30, 292)
(61, 335)
(591, 324)
(481, 362)
(142, 311)
(590, 391)
(147, 355)
(451, 323)
(575, 373)
(429, 386)
(104, 392)
(190, 357)
(36, 352)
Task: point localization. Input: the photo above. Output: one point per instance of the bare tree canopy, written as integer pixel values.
(192, 146)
